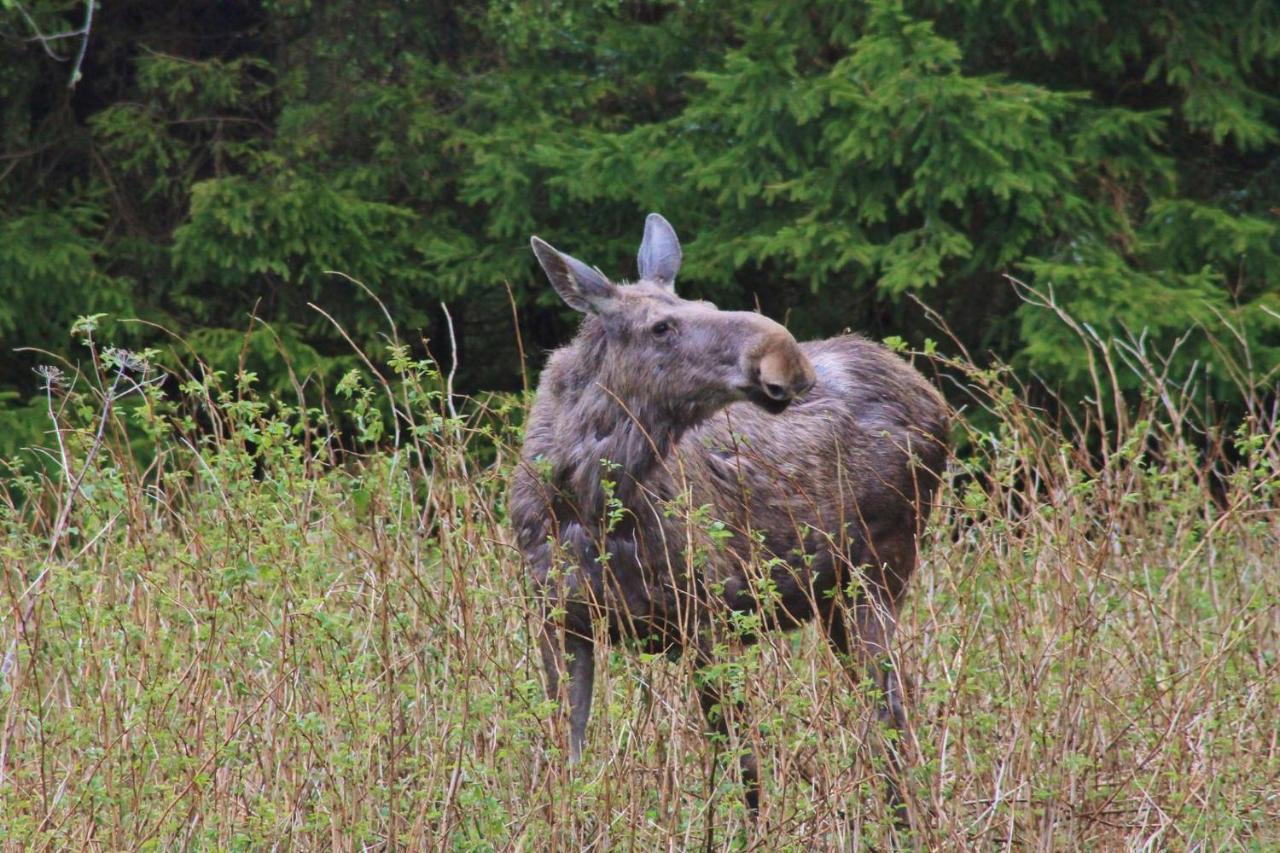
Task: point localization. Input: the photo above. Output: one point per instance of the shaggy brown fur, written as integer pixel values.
(820, 460)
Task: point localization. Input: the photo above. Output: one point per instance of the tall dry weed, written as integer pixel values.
(234, 621)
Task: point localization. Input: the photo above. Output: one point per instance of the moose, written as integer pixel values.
(817, 463)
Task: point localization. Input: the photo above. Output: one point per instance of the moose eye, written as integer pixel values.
(661, 328)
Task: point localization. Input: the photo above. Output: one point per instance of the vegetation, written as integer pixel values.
(827, 160)
(256, 637)
(258, 583)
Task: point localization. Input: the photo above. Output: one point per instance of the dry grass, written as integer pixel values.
(221, 631)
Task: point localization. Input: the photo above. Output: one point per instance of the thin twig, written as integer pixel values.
(39, 36)
(395, 337)
(453, 362)
(386, 386)
(84, 44)
(515, 323)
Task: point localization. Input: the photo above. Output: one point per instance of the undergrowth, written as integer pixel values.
(231, 624)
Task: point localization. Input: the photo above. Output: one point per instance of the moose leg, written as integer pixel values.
(716, 711)
(874, 621)
(567, 653)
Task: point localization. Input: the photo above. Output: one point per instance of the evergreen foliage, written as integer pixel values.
(825, 160)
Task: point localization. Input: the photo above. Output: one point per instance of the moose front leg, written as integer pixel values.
(571, 654)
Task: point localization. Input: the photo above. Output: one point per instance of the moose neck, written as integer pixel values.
(616, 432)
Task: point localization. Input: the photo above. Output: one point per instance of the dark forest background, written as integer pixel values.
(827, 161)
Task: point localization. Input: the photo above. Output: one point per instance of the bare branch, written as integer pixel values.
(84, 45)
(46, 38)
(453, 363)
(39, 36)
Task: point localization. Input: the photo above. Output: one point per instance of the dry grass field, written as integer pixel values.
(226, 628)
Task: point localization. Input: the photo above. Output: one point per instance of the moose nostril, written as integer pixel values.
(775, 391)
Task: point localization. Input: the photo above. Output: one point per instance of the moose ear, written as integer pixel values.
(583, 288)
(659, 257)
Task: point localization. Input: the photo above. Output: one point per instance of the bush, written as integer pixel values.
(304, 623)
